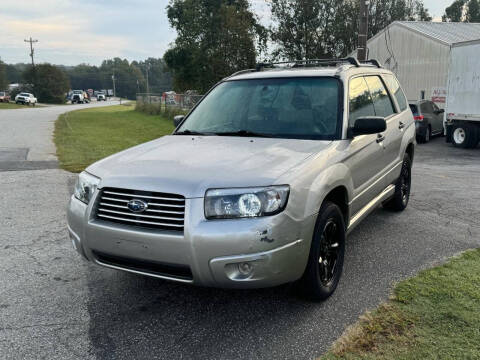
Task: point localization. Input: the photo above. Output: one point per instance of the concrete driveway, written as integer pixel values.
(53, 305)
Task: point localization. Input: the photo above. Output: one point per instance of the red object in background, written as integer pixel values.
(439, 99)
(418, 118)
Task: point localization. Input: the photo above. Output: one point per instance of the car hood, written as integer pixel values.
(189, 165)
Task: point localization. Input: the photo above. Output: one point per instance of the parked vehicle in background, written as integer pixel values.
(4, 96)
(79, 97)
(428, 119)
(101, 96)
(258, 185)
(26, 99)
(463, 100)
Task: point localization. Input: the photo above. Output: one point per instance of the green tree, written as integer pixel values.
(14, 72)
(3, 76)
(454, 13)
(214, 39)
(126, 76)
(50, 83)
(159, 77)
(85, 76)
(473, 11)
(328, 28)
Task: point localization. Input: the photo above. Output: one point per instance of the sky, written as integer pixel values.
(89, 31)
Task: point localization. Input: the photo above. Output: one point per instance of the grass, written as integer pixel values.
(11, 106)
(85, 136)
(435, 315)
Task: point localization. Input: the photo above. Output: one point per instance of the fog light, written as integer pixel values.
(245, 268)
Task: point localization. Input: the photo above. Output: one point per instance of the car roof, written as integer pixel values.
(323, 71)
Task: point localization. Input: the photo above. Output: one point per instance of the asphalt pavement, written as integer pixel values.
(54, 305)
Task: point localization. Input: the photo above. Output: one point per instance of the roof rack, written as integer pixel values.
(310, 62)
(374, 62)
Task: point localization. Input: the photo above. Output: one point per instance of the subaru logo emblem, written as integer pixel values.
(137, 206)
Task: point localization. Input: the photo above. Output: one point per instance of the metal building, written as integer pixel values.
(419, 54)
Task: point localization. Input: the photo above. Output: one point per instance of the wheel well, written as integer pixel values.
(410, 151)
(339, 196)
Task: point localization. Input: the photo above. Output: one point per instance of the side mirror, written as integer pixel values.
(178, 119)
(368, 125)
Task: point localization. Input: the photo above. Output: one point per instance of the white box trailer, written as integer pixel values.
(463, 100)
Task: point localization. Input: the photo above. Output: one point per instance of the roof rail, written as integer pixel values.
(374, 62)
(242, 72)
(310, 62)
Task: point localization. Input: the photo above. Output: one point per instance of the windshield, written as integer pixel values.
(77, 91)
(24, 94)
(302, 108)
(2, 93)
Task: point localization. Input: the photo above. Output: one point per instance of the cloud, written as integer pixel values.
(96, 30)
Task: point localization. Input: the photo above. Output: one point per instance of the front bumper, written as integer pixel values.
(275, 248)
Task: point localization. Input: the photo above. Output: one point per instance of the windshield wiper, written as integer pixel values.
(190, 132)
(244, 133)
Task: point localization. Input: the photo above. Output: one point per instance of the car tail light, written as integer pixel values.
(418, 118)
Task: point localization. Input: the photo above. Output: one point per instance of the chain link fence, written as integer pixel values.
(168, 101)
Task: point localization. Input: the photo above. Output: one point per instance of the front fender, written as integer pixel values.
(337, 175)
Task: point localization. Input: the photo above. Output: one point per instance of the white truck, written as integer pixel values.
(463, 101)
(80, 97)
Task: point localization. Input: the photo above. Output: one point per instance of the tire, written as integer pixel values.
(325, 261)
(464, 136)
(399, 201)
(423, 139)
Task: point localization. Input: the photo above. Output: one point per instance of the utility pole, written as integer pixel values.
(31, 41)
(148, 88)
(113, 80)
(363, 31)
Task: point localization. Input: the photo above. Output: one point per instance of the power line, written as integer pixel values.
(31, 41)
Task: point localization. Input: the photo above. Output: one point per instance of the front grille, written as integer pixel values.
(151, 267)
(164, 211)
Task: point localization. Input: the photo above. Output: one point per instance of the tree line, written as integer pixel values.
(463, 11)
(50, 83)
(218, 37)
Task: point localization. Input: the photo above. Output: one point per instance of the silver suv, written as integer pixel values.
(258, 185)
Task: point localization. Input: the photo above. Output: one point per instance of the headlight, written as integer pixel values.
(245, 202)
(85, 187)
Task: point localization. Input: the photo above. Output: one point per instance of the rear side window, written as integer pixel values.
(396, 90)
(360, 101)
(414, 109)
(426, 108)
(381, 99)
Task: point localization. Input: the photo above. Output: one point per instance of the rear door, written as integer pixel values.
(428, 115)
(384, 107)
(366, 152)
(396, 127)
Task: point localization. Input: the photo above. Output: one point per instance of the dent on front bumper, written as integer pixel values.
(276, 248)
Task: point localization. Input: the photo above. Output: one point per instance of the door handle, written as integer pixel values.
(401, 125)
(380, 138)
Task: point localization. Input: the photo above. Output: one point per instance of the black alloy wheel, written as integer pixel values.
(403, 186)
(327, 250)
